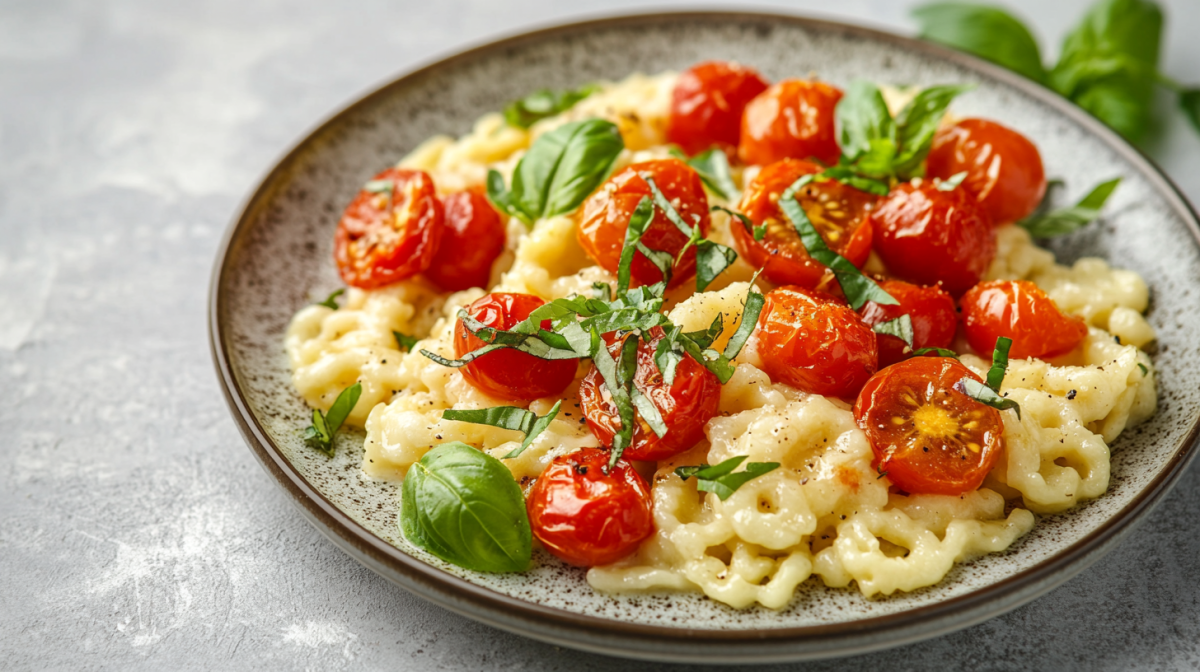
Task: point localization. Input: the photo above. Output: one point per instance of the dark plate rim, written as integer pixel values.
(659, 642)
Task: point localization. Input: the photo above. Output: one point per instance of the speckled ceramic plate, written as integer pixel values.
(277, 256)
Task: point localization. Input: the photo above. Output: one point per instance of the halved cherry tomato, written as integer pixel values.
(586, 514)
(838, 212)
(928, 437)
(815, 343)
(707, 104)
(473, 238)
(930, 237)
(1004, 169)
(389, 235)
(686, 405)
(604, 219)
(1021, 311)
(931, 310)
(508, 373)
(793, 119)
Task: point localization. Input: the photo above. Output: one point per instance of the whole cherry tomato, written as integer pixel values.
(927, 436)
(1004, 169)
(604, 219)
(686, 405)
(929, 236)
(707, 104)
(473, 238)
(389, 235)
(793, 119)
(934, 319)
(1021, 311)
(508, 373)
(587, 514)
(815, 343)
(838, 212)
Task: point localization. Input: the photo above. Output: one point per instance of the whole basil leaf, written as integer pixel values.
(1067, 220)
(463, 506)
(918, 122)
(564, 166)
(988, 32)
(866, 130)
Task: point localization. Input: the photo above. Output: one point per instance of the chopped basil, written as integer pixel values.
(851, 179)
(995, 376)
(713, 168)
(757, 232)
(901, 328)
(940, 352)
(404, 342)
(463, 506)
(951, 183)
(639, 221)
(989, 394)
(721, 479)
(602, 291)
(331, 300)
(544, 103)
(750, 312)
(711, 258)
(1066, 220)
(508, 417)
(1145, 371)
(324, 427)
(705, 338)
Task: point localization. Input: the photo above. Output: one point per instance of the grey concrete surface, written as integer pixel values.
(137, 531)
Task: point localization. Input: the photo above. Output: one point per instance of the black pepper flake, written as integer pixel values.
(1071, 394)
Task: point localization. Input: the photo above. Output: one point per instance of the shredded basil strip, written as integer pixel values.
(1145, 370)
(901, 328)
(940, 352)
(324, 427)
(857, 287)
(508, 417)
(404, 341)
(989, 394)
(750, 312)
(711, 258)
(758, 232)
(713, 168)
(639, 221)
(951, 183)
(995, 376)
(721, 479)
(331, 300)
(1067, 220)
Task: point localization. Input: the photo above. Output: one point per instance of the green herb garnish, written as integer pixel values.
(989, 394)
(508, 417)
(404, 342)
(1066, 220)
(324, 427)
(545, 103)
(940, 352)
(721, 479)
(757, 232)
(331, 300)
(713, 168)
(901, 328)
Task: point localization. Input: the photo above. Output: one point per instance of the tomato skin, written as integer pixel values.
(934, 319)
(473, 238)
(685, 406)
(780, 253)
(1004, 169)
(815, 343)
(1021, 311)
(506, 373)
(604, 219)
(588, 517)
(930, 237)
(793, 119)
(707, 105)
(916, 423)
(381, 240)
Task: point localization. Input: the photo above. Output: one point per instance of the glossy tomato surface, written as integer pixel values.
(604, 219)
(473, 238)
(928, 437)
(815, 343)
(932, 237)
(389, 235)
(707, 105)
(685, 405)
(1004, 169)
(586, 514)
(1021, 311)
(507, 373)
(931, 310)
(838, 212)
(793, 119)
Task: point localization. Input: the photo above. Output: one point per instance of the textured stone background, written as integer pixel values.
(137, 531)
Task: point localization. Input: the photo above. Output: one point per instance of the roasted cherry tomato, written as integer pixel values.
(931, 310)
(587, 514)
(707, 104)
(686, 405)
(928, 437)
(604, 218)
(473, 238)
(838, 212)
(1021, 311)
(388, 235)
(929, 236)
(507, 373)
(793, 119)
(815, 343)
(1004, 169)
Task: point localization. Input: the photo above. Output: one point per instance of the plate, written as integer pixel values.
(277, 255)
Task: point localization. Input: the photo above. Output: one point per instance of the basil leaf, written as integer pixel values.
(901, 328)
(940, 352)
(661, 202)
(330, 301)
(507, 417)
(849, 178)
(404, 342)
(1145, 370)
(721, 479)
(711, 260)
(988, 32)
(648, 412)
(464, 506)
(639, 221)
(757, 232)
(563, 166)
(500, 197)
(857, 287)
(1066, 220)
(666, 356)
(544, 103)
(951, 183)
(324, 427)
(1189, 102)
(705, 338)
(713, 168)
(866, 129)
(750, 312)
(986, 396)
(918, 122)
(995, 376)
(602, 291)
